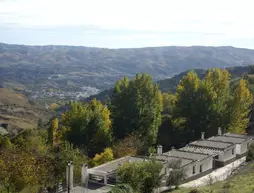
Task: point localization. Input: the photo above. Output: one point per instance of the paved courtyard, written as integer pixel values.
(92, 188)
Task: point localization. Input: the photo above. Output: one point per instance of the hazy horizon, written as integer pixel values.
(127, 24)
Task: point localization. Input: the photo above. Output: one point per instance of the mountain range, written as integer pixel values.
(71, 68)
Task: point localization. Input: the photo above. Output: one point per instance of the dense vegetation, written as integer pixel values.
(136, 118)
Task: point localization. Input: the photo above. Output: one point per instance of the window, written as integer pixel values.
(233, 151)
(193, 169)
(201, 168)
(216, 157)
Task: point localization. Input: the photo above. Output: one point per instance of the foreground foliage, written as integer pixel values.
(121, 188)
(142, 176)
(28, 161)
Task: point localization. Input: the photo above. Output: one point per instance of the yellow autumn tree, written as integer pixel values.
(53, 106)
(103, 157)
(240, 108)
(53, 136)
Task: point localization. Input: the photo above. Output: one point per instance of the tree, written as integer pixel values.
(250, 155)
(136, 106)
(60, 156)
(167, 133)
(130, 146)
(186, 114)
(103, 157)
(168, 103)
(239, 108)
(121, 188)
(205, 105)
(52, 132)
(32, 140)
(53, 106)
(176, 175)
(88, 126)
(142, 176)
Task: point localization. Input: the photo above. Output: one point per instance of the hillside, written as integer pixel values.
(170, 84)
(17, 114)
(53, 69)
(8, 97)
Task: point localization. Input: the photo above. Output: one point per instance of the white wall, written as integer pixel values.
(207, 164)
(238, 149)
(244, 147)
(227, 155)
(217, 175)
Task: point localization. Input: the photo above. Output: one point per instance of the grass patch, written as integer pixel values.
(239, 183)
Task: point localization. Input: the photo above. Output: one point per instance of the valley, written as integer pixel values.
(75, 72)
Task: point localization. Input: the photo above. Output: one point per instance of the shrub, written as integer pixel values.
(195, 191)
(142, 176)
(121, 188)
(103, 157)
(127, 147)
(250, 155)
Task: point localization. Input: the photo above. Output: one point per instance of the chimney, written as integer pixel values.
(219, 131)
(69, 175)
(202, 135)
(159, 150)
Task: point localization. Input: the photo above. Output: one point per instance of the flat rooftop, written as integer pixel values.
(3, 131)
(170, 159)
(186, 155)
(202, 150)
(115, 164)
(236, 135)
(221, 138)
(211, 144)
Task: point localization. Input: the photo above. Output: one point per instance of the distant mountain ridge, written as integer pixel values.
(170, 84)
(71, 67)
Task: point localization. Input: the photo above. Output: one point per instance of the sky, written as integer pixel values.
(128, 23)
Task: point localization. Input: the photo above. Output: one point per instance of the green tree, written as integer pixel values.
(103, 157)
(205, 105)
(250, 155)
(60, 156)
(142, 176)
(88, 126)
(186, 114)
(168, 134)
(168, 103)
(136, 106)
